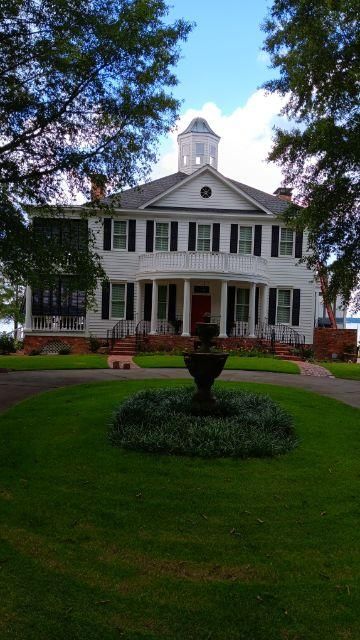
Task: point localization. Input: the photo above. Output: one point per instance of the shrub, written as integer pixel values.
(34, 352)
(94, 344)
(7, 344)
(244, 425)
(65, 350)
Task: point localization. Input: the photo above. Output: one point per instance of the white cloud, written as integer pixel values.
(246, 136)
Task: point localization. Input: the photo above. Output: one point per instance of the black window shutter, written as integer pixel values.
(130, 301)
(272, 306)
(172, 302)
(147, 300)
(257, 293)
(173, 236)
(105, 300)
(192, 236)
(257, 240)
(230, 309)
(298, 244)
(296, 308)
(132, 235)
(149, 236)
(274, 241)
(234, 238)
(216, 237)
(107, 234)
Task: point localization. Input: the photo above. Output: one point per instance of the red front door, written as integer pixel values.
(199, 306)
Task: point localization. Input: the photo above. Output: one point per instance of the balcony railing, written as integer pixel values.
(58, 323)
(201, 262)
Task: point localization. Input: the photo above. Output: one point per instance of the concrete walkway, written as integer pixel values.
(18, 385)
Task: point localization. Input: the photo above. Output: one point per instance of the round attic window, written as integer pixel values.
(205, 192)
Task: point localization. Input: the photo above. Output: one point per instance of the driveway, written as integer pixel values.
(18, 385)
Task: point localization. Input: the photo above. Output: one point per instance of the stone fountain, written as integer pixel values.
(205, 365)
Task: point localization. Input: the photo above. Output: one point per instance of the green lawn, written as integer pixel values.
(100, 544)
(233, 362)
(347, 370)
(30, 363)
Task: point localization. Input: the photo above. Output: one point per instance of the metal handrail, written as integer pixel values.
(121, 329)
(280, 333)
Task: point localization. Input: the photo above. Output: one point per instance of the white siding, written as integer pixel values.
(188, 195)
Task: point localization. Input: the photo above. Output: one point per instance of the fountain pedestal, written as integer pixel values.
(204, 366)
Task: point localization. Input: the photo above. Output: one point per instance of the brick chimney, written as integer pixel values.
(98, 186)
(284, 193)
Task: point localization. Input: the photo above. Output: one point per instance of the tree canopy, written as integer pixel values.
(314, 46)
(85, 89)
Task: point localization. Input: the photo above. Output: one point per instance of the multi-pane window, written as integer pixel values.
(245, 240)
(286, 242)
(199, 152)
(203, 237)
(185, 154)
(119, 234)
(283, 308)
(162, 302)
(118, 301)
(212, 154)
(162, 236)
(242, 305)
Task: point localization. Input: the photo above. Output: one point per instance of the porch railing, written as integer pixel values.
(58, 323)
(239, 329)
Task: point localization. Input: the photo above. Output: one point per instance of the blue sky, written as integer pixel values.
(221, 61)
(220, 74)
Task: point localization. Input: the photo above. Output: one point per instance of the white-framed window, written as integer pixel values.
(212, 155)
(286, 242)
(283, 306)
(118, 297)
(245, 240)
(185, 152)
(242, 305)
(199, 152)
(161, 236)
(203, 242)
(120, 234)
(162, 302)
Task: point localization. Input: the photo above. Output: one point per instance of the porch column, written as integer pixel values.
(154, 306)
(223, 309)
(252, 310)
(264, 303)
(28, 309)
(138, 313)
(186, 309)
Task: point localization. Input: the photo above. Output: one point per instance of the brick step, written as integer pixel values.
(122, 353)
(294, 358)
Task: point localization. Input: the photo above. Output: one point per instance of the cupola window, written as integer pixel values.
(199, 152)
(212, 155)
(185, 155)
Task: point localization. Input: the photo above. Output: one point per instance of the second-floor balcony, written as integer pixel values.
(193, 263)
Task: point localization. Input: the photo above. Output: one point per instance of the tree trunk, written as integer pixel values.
(324, 291)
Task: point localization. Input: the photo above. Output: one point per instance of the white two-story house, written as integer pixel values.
(192, 243)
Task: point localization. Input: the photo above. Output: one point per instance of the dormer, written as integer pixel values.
(198, 145)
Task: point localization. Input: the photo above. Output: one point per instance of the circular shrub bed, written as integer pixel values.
(245, 424)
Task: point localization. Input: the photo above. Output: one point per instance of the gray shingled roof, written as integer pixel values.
(137, 196)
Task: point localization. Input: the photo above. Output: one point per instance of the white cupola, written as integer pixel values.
(198, 145)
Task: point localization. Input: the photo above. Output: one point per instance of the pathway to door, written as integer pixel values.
(18, 385)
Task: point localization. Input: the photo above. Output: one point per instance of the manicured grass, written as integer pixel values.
(233, 362)
(347, 370)
(31, 363)
(99, 544)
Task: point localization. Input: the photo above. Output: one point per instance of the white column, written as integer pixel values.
(154, 306)
(139, 307)
(28, 309)
(186, 309)
(223, 308)
(264, 303)
(252, 310)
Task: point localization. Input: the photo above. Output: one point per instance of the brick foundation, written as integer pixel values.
(78, 344)
(334, 341)
(181, 343)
